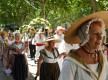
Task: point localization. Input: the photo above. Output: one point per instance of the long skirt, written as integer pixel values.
(49, 71)
(20, 67)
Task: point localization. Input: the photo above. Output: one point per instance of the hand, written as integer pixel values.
(64, 54)
(60, 55)
(38, 73)
(26, 43)
(8, 66)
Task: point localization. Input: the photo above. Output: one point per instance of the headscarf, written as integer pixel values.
(83, 31)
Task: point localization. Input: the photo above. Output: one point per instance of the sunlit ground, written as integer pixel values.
(32, 69)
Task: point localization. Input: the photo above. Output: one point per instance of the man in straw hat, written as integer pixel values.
(88, 62)
(39, 37)
(59, 35)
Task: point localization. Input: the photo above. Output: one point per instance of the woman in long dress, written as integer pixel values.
(48, 68)
(17, 59)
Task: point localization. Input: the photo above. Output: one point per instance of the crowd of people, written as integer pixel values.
(15, 46)
(74, 54)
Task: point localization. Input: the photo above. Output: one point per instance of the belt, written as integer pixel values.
(39, 44)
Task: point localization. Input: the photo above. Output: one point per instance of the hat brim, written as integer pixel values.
(46, 42)
(71, 36)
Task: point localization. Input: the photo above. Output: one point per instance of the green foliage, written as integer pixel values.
(23, 28)
(55, 11)
(66, 11)
(14, 11)
(39, 23)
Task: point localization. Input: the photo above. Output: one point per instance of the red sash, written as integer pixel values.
(39, 44)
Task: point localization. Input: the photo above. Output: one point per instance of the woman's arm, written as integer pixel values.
(62, 54)
(10, 59)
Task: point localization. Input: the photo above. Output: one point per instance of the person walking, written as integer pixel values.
(48, 68)
(59, 35)
(32, 46)
(17, 60)
(38, 39)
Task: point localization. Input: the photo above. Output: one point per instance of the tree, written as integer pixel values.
(55, 11)
(14, 11)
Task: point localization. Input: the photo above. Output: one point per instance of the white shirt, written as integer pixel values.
(13, 52)
(65, 47)
(57, 36)
(51, 59)
(73, 70)
(60, 37)
(38, 39)
(93, 67)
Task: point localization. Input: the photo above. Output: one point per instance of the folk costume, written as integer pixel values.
(18, 62)
(59, 35)
(49, 68)
(77, 67)
(39, 38)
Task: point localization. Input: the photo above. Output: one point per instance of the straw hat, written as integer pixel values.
(3, 32)
(51, 39)
(71, 36)
(59, 28)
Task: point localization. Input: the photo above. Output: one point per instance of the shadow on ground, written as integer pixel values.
(30, 77)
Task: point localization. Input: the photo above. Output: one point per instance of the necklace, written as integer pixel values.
(87, 51)
(92, 55)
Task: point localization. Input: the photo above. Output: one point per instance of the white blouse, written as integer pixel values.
(19, 46)
(73, 70)
(93, 67)
(52, 59)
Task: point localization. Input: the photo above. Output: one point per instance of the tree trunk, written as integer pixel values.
(43, 9)
(23, 19)
(94, 5)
